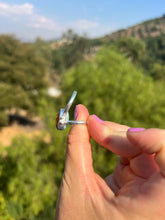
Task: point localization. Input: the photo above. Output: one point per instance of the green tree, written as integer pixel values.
(155, 47)
(22, 74)
(72, 51)
(133, 49)
(158, 72)
(43, 49)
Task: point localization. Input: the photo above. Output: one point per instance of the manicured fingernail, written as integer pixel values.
(75, 113)
(136, 129)
(97, 118)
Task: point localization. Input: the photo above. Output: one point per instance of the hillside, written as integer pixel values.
(149, 28)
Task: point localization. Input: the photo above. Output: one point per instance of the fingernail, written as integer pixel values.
(75, 113)
(97, 118)
(136, 129)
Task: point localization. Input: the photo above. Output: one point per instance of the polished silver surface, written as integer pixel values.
(70, 102)
(74, 122)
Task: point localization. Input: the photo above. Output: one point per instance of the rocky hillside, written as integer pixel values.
(149, 28)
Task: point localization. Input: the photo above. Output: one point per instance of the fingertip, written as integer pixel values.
(100, 129)
(94, 120)
(132, 133)
(148, 140)
(113, 139)
(95, 126)
(97, 118)
(81, 113)
(136, 129)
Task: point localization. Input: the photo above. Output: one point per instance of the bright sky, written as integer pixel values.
(48, 19)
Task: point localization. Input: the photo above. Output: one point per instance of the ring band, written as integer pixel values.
(73, 122)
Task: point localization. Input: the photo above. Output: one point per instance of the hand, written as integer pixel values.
(136, 189)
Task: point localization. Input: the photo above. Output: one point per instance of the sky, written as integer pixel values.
(49, 19)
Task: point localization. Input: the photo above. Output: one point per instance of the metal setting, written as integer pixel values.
(62, 118)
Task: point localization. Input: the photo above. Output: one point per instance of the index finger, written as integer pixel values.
(112, 136)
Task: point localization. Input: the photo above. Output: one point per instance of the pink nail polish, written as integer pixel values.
(76, 113)
(136, 129)
(97, 118)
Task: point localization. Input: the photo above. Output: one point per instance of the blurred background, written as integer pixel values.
(111, 52)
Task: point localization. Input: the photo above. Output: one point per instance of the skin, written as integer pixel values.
(136, 189)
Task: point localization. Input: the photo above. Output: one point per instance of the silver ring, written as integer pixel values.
(62, 118)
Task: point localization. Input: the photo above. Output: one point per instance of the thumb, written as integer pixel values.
(78, 155)
(150, 141)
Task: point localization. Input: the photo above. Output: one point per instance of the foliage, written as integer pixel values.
(71, 52)
(22, 75)
(43, 49)
(156, 48)
(132, 48)
(158, 72)
(148, 54)
(30, 178)
(4, 215)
